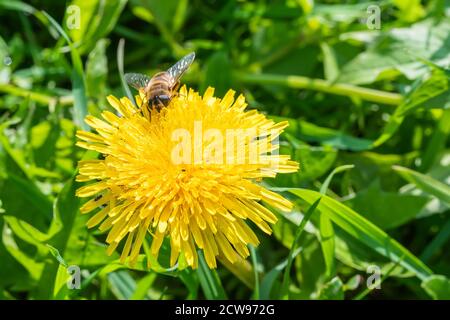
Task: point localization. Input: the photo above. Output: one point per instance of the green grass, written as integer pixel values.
(369, 121)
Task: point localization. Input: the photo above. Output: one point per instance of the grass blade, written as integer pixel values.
(326, 231)
(65, 211)
(209, 280)
(120, 54)
(361, 295)
(365, 231)
(426, 183)
(122, 284)
(326, 184)
(298, 233)
(242, 269)
(78, 81)
(438, 242)
(269, 279)
(256, 292)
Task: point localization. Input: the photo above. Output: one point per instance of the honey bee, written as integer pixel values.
(163, 86)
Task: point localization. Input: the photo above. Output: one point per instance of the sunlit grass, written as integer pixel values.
(368, 123)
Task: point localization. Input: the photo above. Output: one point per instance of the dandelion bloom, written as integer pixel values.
(176, 174)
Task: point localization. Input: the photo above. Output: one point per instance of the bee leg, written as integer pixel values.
(176, 86)
(175, 89)
(159, 104)
(140, 107)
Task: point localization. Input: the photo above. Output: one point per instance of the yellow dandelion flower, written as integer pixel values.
(190, 173)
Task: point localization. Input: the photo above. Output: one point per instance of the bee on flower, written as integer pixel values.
(173, 173)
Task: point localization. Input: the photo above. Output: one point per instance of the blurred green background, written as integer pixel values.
(361, 83)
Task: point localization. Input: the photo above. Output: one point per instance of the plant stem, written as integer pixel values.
(35, 96)
(256, 293)
(343, 89)
(242, 269)
(298, 233)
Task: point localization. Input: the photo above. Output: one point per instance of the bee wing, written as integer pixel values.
(177, 70)
(137, 80)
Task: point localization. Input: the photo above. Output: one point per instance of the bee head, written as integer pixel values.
(161, 100)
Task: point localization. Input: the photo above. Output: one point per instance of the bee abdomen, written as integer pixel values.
(159, 91)
(159, 86)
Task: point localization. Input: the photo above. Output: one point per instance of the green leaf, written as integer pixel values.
(162, 11)
(18, 183)
(34, 268)
(327, 242)
(298, 233)
(326, 184)
(371, 166)
(61, 290)
(87, 12)
(410, 10)
(190, 279)
(55, 253)
(97, 19)
(310, 268)
(330, 64)
(84, 249)
(387, 209)
(78, 81)
(242, 269)
(120, 61)
(432, 86)
(364, 231)
(140, 265)
(80, 100)
(437, 142)
(314, 162)
(341, 12)
(209, 280)
(97, 70)
(19, 6)
(437, 287)
(310, 132)
(397, 51)
(44, 136)
(426, 183)
(31, 193)
(268, 282)
(12, 274)
(332, 290)
(352, 283)
(256, 290)
(27, 232)
(161, 14)
(354, 254)
(217, 73)
(122, 284)
(180, 15)
(437, 243)
(326, 230)
(368, 289)
(142, 287)
(289, 64)
(426, 92)
(65, 210)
